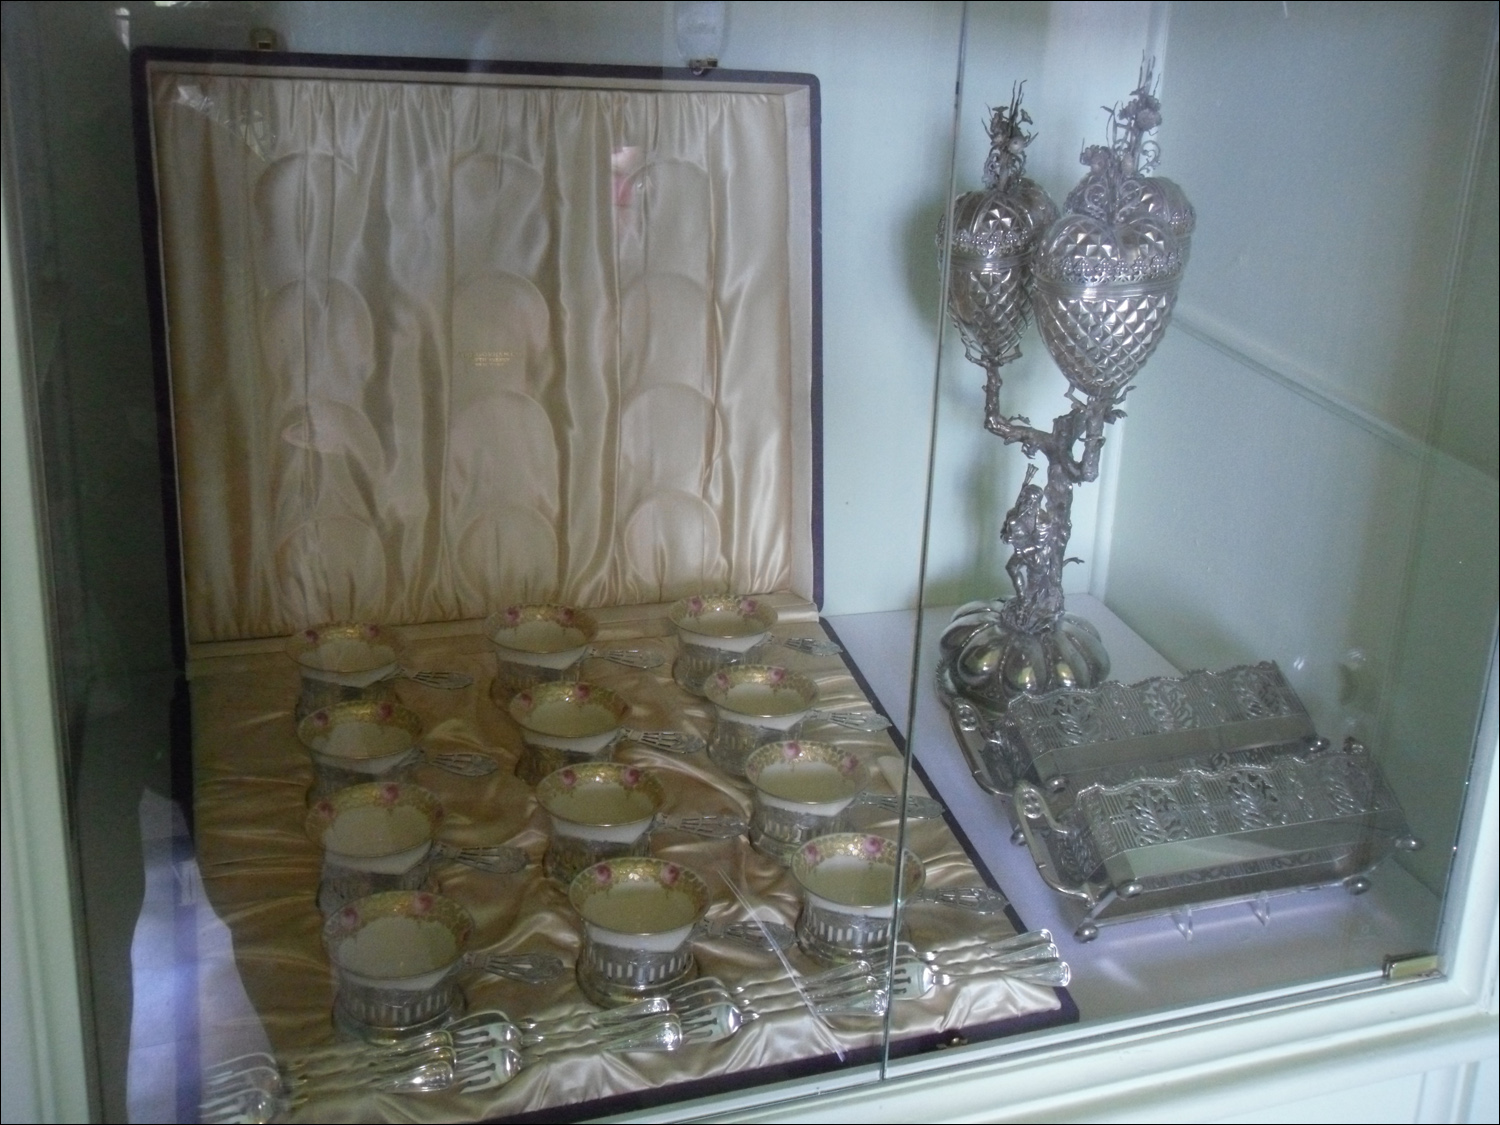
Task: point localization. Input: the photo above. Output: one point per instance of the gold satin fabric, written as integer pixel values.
(261, 872)
(439, 344)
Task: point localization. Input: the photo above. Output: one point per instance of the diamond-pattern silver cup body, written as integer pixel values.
(989, 274)
(990, 303)
(1102, 335)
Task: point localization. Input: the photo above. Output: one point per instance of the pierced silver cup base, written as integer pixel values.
(835, 938)
(612, 976)
(379, 1014)
(779, 833)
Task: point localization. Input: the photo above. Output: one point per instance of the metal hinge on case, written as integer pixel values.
(1412, 966)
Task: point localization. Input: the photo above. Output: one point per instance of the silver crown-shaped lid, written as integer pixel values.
(1004, 220)
(1121, 226)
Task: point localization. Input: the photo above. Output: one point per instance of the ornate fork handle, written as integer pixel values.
(446, 681)
(527, 968)
(916, 808)
(869, 722)
(464, 763)
(495, 860)
(655, 1033)
(977, 900)
(535, 1032)
(808, 646)
(630, 657)
(711, 827)
(667, 741)
(767, 936)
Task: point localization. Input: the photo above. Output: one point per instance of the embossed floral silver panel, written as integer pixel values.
(1299, 816)
(1059, 739)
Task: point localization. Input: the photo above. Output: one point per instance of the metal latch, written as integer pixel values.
(1412, 966)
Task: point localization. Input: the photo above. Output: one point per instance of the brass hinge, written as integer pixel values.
(1412, 966)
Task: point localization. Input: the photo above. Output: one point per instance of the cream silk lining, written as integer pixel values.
(441, 346)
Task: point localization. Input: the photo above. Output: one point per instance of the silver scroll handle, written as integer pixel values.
(1031, 810)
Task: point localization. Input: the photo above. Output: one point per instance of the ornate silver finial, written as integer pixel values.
(1008, 141)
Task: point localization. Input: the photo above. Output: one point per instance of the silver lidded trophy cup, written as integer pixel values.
(1101, 280)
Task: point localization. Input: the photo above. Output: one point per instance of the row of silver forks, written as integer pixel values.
(485, 1050)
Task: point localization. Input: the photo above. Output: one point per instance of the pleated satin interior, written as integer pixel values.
(439, 347)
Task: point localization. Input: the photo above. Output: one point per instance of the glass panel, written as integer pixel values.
(1302, 479)
(432, 342)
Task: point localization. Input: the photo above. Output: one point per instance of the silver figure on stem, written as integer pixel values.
(1101, 280)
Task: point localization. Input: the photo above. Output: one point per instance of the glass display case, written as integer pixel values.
(427, 425)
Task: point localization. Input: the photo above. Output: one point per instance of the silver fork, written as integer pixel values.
(446, 681)
(916, 807)
(808, 646)
(867, 721)
(661, 1032)
(708, 827)
(526, 968)
(588, 1026)
(976, 900)
(712, 1022)
(497, 859)
(666, 741)
(630, 657)
(244, 1107)
(463, 763)
(767, 936)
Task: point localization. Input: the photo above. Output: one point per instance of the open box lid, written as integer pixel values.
(441, 337)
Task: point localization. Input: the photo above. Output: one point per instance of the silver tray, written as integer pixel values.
(1175, 838)
(1065, 738)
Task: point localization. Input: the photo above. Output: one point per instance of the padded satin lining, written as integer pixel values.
(437, 348)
